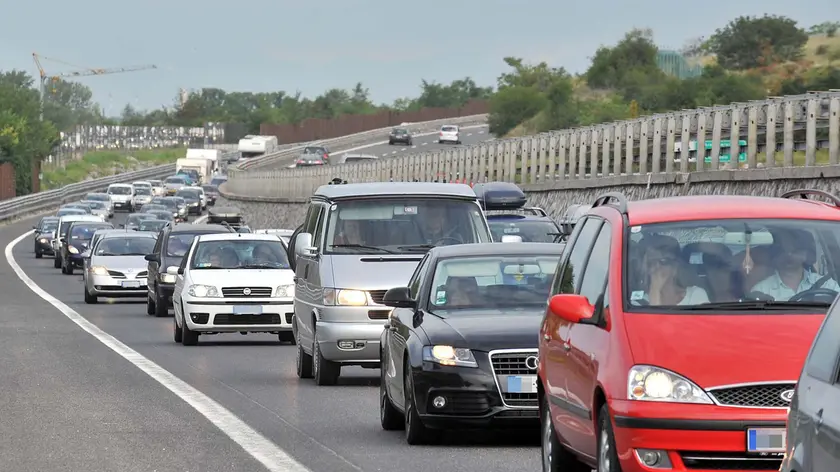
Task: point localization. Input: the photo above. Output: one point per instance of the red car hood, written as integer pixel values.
(714, 350)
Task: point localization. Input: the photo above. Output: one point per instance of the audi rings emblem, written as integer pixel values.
(246, 291)
(787, 395)
(531, 362)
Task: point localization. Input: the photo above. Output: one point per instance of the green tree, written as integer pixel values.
(511, 106)
(633, 57)
(750, 42)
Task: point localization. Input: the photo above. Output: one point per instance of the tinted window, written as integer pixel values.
(119, 190)
(143, 191)
(240, 254)
(531, 231)
(134, 219)
(824, 352)
(414, 282)
(574, 267)
(179, 243)
(151, 225)
(175, 180)
(84, 232)
(449, 128)
(97, 197)
(595, 273)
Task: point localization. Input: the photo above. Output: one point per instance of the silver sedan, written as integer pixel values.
(117, 266)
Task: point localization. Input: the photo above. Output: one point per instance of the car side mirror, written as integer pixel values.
(62, 240)
(303, 245)
(35, 228)
(174, 270)
(571, 307)
(511, 238)
(152, 258)
(398, 297)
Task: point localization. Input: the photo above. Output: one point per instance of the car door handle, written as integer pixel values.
(819, 420)
(295, 279)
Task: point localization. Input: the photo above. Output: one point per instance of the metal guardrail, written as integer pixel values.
(651, 145)
(286, 155)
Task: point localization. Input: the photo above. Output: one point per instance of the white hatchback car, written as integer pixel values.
(449, 134)
(233, 282)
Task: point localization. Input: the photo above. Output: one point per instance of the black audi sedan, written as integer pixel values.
(44, 232)
(459, 350)
(76, 242)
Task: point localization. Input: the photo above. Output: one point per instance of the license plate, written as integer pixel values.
(247, 310)
(766, 440)
(131, 284)
(522, 384)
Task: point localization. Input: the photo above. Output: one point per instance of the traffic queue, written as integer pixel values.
(662, 334)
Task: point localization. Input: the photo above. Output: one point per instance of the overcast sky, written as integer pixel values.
(264, 45)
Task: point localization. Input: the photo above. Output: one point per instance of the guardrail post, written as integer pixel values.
(582, 147)
(788, 134)
(716, 131)
(752, 136)
(618, 136)
(573, 154)
(834, 131)
(811, 132)
(594, 156)
(629, 146)
(771, 121)
(670, 140)
(685, 140)
(735, 136)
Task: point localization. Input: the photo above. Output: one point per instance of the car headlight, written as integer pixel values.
(345, 297)
(648, 383)
(98, 270)
(167, 278)
(285, 291)
(203, 291)
(43, 240)
(73, 250)
(448, 355)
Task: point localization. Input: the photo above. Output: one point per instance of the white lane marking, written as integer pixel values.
(424, 144)
(393, 152)
(469, 134)
(384, 154)
(258, 446)
(403, 149)
(200, 219)
(413, 147)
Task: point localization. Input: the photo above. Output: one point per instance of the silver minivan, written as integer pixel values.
(358, 241)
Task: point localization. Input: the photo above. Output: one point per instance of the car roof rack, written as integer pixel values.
(227, 225)
(804, 192)
(617, 196)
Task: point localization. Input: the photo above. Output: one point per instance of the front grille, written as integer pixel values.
(729, 461)
(240, 291)
(379, 314)
(264, 319)
(513, 363)
(116, 274)
(757, 396)
(377, 296)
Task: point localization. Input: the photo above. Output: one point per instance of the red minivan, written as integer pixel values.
(677, 327)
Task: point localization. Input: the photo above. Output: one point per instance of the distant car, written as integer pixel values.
(142, 196)
(98, 208)
(175, 183)
(122, 195)
(133, 221)
(44, 233)
(400, 135)
(117, 266)
(181, 204)
(157, 188)
(449, 134)
(76, 241)
(211, 192)
(164, 215)
(101, 197)
(192, 198)
(155, 207)
(311, 157)
(66, 211)
(81, 206)
(153, 226)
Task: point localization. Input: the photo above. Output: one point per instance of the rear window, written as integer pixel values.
(314, 150)
(175, 180)
(449, 128)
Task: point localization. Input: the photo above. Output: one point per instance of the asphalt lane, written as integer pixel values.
(329, 429)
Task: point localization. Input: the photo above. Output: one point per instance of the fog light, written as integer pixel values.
(346, 344)
(439, 402)
(655, 458)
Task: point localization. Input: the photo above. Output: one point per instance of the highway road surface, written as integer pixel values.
(105, 387)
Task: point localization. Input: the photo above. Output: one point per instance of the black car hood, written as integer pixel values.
(486, 330)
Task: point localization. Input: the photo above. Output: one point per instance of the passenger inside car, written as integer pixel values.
(715, 267)
(461, 291)
(349, 233)
(667, 280)
(439, 229)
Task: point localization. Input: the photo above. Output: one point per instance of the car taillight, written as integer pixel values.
(326, 156)
(441, 133)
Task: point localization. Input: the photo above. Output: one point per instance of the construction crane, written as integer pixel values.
(84, 72)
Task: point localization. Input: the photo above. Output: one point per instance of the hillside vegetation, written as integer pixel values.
(748, 59)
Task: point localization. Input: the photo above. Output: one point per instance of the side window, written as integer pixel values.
(318, 234)
(568, 280)
(595, 272)
(824, 353)
(311, 218)
(416, 278)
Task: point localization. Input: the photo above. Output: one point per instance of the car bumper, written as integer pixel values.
(44, 248)
(217, 316)
(694, 437)
(107, 286)
(195, 210)
(164, 293)
(122, 206)
(449, 139)
(365, 337)
(472, 399)
(75, 260)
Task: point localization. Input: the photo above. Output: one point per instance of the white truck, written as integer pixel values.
(214, 155)
(204, 167)
(255, 146)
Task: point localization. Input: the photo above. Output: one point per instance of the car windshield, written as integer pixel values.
(83, 232)
(175, 180)
(95, 205)
(314, 150)
(99, 197)
(154, 207)
(178, 244)
(489, 282)
(120, 190)
(151, 225)
(49, 226)
(400, 131)
(735, 263)
(138, 217)
(125, 246)
(143, 191)
(169, 203)
(161, 214)
(210, 188)
(240, 254)
(402, 225)
(179, 201)
(188, 194)
(70, 211)
(531, 231)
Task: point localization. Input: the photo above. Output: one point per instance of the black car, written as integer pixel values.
(170, 204)
(504, 205)
(226, 215)
(211, 192)
(400, 135)
(76, 242)
(309, 158)
(192, 198)
(43, 233)
(161, 215)
(172, 244)
(459, 350)
(81, 206)
(134, 219)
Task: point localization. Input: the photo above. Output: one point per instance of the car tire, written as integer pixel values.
(390, 418)
(68, 269)
(325, 372)
(390, 143)
(607, 456)
(176, 330)
(303, 363)
(188, 336)
(90, 299)
(150, 305)
(555, 458)
(161, 310)
(38, 255)
(416, 433)
(286, 337)
(57, 263)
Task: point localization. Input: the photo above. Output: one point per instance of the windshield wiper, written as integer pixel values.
(755, 305)
(362, 246)
(256, 266)
(417, 247)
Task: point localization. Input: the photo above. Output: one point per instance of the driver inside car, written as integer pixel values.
(435, 228)
(792, 273)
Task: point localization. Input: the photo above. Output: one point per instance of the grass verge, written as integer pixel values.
(98, 164)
